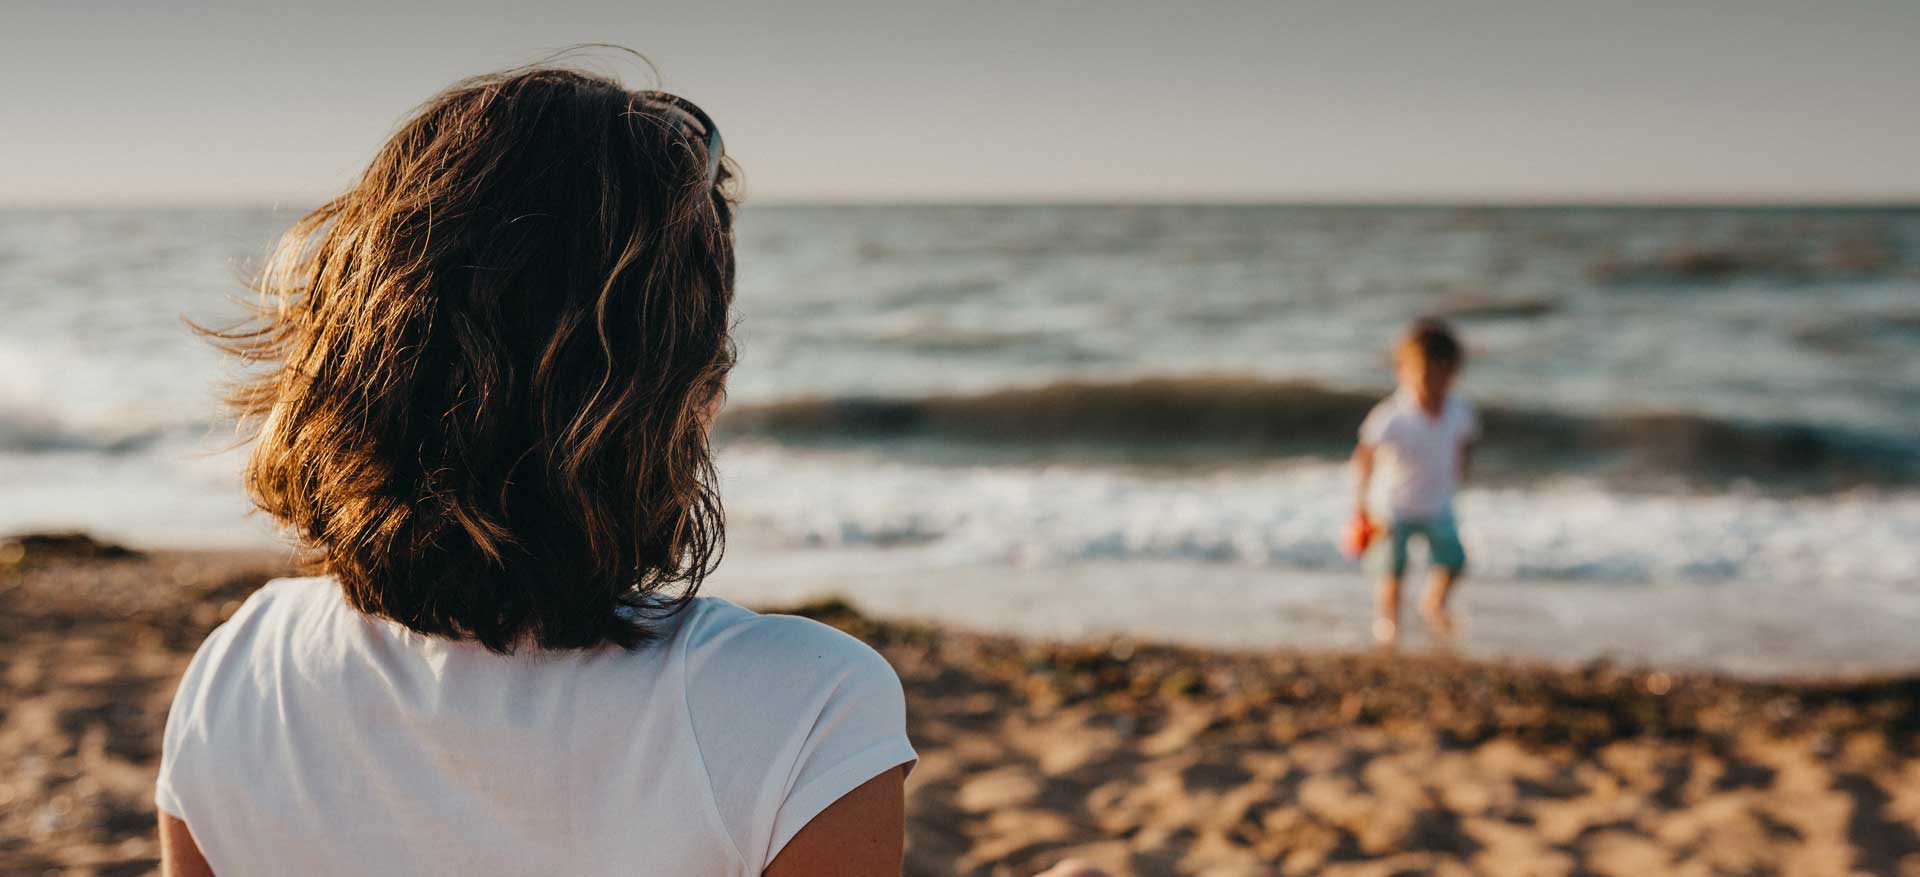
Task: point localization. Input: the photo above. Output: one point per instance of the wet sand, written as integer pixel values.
(1749, 629)
(1147, 759)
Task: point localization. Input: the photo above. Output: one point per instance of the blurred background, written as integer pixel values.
(1060, 318)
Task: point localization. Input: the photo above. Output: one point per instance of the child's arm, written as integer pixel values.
(1468, 438)
(1362, 474)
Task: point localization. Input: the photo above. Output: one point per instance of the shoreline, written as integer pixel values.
(1740, 631)
(1144, 757)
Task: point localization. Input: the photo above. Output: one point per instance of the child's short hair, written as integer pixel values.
(489, 364)
(1433, 342)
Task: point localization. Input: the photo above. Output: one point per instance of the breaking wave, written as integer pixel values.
(1217, 419)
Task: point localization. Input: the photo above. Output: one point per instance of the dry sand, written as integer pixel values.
(1144, 759)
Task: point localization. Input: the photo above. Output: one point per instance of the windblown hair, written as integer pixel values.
(1433, 342)
(489, 367)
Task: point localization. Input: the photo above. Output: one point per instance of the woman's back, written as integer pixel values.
(310, 737)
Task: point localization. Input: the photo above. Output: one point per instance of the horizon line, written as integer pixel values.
(1896, 202)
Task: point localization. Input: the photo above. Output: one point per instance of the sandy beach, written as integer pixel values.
(1143, 758)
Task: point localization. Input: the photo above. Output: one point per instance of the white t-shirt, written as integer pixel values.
(1417, 455)
(309, 738)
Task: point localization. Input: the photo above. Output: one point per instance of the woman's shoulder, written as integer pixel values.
(720, 635)
(788, 715)
(224, 674)
(272, 609)
(737, 665)
(309, 592)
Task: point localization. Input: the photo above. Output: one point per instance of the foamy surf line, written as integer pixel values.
(1288, 516)
(1566, 529)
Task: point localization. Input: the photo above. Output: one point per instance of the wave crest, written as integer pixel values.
(1221, 418)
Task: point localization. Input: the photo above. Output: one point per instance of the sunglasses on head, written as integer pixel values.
(702, 126)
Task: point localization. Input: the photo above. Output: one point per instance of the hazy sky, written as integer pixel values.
(149, 101)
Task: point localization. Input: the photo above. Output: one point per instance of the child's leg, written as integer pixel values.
(1386, 597)
(1439, 588)
(1449, 561)
(1386, 601)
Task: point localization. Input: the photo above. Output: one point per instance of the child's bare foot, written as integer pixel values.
(1385, 631)
(1438, 619)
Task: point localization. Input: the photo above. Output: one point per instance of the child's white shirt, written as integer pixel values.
(1418, 455)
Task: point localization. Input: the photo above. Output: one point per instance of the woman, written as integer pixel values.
(490, 367)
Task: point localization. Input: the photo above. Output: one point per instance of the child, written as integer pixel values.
(1420, 436)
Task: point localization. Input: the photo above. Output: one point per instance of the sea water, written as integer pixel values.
(1058, 407)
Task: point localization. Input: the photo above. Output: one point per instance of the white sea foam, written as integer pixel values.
(1290, 516)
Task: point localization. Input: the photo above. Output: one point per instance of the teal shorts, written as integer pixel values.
(1440, 534)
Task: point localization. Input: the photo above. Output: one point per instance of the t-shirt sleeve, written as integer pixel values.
(183, 718)
(790, 715)
(183, 744)
(1373, 430)
(1469, 421)
(187, 756)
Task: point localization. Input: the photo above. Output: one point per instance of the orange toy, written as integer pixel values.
(1360, 532)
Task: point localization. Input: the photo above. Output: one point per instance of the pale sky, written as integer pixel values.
(156, 102)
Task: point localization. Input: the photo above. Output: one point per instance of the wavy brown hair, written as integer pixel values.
(489, 366)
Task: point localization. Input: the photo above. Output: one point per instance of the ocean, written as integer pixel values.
(1703, 425)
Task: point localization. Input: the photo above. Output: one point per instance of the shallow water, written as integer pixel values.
(1755, 630)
